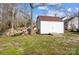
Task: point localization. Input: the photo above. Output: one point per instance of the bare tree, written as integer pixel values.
(9, 17)
(7, 14)
(32, 5)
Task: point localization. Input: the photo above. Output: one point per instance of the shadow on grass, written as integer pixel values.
(75, 32)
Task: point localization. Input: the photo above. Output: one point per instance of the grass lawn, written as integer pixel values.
(40, 44)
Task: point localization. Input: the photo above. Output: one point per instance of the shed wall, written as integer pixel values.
(47, 27)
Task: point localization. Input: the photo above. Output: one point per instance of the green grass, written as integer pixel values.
(40, 44)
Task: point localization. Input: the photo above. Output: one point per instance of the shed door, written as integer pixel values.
(46, 27)
(58, 27)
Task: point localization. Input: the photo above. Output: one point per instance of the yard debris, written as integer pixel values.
(18, 31)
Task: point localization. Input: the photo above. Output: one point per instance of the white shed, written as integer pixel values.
(49, 24)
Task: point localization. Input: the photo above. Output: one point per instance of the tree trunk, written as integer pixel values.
(12, 30)
(31, 21)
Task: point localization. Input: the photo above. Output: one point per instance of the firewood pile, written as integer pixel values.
(18, 31)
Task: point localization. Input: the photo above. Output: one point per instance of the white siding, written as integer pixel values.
(51, 27)
(73, 24)
(58, 27)
(46, 27)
